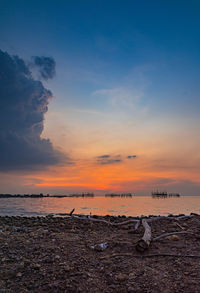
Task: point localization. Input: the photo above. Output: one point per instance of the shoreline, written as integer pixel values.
(62, 254)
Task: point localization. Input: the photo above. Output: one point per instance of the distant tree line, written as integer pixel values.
(3, 195)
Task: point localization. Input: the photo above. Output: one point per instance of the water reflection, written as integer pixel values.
(135, 206)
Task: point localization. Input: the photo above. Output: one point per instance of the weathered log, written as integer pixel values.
(144, 243)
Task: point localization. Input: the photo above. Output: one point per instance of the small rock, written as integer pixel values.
(67, 268)
(19, 275)
(185, 225)
(112, 287)
(131, 289)
(4, 259)
(121, 277)
(173, 237)
(36, 266)
(107, 262)
(132, 276)
(45, 231)
(21, 265)
(101, 269)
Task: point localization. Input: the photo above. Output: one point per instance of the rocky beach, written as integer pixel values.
(75, 254)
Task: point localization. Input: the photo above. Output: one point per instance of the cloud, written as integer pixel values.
(131, 157)
(108, 159)
(104, 157)
(46, 66)
(23, 103)
(123, 96)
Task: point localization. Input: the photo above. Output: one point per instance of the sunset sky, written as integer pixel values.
(100, 96)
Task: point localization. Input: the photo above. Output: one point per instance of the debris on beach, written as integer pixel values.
(99, 247)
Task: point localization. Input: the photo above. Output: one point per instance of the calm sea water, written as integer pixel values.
(135, 206)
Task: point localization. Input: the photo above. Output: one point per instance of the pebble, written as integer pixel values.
(132, 276)
(131, 289)
(36, 266)
(121, 277)
(173, 237)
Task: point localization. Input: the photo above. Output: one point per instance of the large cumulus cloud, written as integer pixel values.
(46, 66)
(23, 103)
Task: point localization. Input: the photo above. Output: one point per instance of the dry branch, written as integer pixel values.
(137, 222)
(149, 255)
(169, 218)
(70, 214)
(171, 233)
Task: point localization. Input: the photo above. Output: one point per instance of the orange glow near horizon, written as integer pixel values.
(116, 177)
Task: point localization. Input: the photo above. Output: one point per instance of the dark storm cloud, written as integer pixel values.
(46, 66)
(23, 103)
(131, 157)
(108, 159)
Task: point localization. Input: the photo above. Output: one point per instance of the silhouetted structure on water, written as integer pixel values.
(164, 194)
(118, 195)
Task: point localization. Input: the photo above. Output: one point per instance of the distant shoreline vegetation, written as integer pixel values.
(154, 194)
(5, 195)
(83, 194)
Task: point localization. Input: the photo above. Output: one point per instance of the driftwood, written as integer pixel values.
(169, 218)
(150, 255)
(137, 222)
(144, 243)
(169, 234)
(177, 224)
(89, 218)
(70, 214)
(137, 225)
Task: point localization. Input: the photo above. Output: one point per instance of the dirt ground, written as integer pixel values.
(56, 254)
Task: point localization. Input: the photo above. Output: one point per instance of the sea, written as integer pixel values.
(99, 205)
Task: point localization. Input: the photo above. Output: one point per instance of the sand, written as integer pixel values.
(47, 254)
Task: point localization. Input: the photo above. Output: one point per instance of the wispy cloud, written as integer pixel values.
(131, 157)
(108, 159)
(111, 159)
(130, 89)
(120, 96)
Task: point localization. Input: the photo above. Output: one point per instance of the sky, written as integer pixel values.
(100, 96)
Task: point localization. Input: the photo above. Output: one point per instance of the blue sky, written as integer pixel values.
(125, 71)
(97, 44)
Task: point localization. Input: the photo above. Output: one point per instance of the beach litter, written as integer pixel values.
(99, 247)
